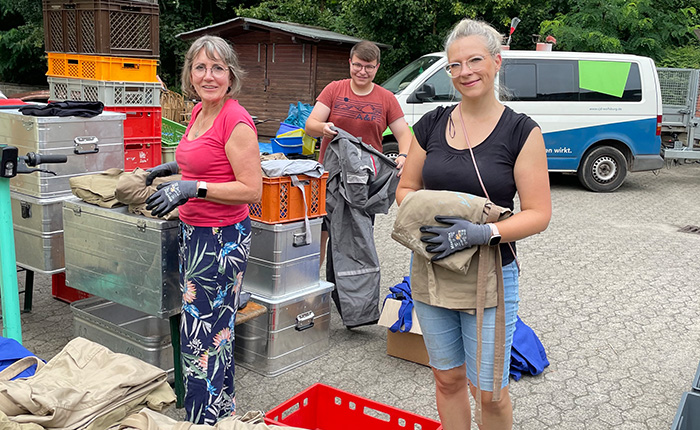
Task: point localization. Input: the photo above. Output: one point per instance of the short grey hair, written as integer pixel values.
(469, 27)
(214, 47)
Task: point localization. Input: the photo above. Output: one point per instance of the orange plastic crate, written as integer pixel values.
(101, 68)
(283, 202)
(322, 407)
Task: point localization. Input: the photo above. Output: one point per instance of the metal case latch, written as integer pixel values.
(141, 225)
(85, 145)
(305, 321)
(26, 209)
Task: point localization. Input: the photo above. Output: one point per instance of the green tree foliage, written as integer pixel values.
(642, 27)
(661, 29)
(22, 57)
(411, 27)
(179, 16)
(310, 12)
(685, 57)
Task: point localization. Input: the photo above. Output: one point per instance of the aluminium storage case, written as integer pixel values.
(124, 330)
(281, 262)
(295, 331)
(91, 144)
(38, 231)
(126, 258)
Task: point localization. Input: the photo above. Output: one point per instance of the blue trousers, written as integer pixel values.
(212, 261)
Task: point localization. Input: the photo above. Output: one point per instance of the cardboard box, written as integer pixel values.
(409, 345)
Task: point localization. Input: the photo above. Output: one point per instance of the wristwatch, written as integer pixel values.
(201, 189)
(495, 235)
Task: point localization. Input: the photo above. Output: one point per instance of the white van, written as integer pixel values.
(600, 113)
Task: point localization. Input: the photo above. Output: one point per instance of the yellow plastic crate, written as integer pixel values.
(308, 143)
(101, 68)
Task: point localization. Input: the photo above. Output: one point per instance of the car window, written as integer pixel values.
(444, 90)
(560, 80)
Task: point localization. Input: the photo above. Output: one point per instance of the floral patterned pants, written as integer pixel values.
(212, 261)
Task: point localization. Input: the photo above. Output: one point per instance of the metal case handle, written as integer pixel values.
(305, 321)
(85, 145)
(299, 239)
(26, 209)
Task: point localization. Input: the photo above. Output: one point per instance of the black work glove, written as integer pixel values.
(170, 195)
(165, 169)
(460, 234)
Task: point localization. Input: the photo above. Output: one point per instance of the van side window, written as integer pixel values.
(559, 80)
(444, 90)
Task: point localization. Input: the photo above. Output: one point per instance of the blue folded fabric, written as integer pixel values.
(527, 353)
(402, 291)
(11, 351)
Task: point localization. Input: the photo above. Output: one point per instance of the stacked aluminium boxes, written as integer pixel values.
(107, 50)
(283, 275)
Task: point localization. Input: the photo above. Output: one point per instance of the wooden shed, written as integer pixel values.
(284, 63)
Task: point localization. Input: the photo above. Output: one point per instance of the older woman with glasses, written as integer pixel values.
(219, 160)
(483, 148)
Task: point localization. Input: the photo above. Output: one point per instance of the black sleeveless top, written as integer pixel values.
(447, 168)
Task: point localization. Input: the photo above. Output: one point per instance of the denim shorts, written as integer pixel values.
(450, 335)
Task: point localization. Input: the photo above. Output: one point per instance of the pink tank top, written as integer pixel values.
(204, 159)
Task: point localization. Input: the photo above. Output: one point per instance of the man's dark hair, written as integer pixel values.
(365, 51)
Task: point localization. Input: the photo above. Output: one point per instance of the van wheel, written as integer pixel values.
(603, 170)
(391, 149)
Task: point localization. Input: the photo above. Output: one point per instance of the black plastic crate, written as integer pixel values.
(102, 27)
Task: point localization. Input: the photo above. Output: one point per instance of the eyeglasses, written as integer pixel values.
(475, 64)
(217, 71)
(369, 67)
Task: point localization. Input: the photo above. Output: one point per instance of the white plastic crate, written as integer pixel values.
(111, 93)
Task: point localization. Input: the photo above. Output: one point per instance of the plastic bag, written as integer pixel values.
(298, 114)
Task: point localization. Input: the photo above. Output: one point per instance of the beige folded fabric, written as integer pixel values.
(150, 420)
(450, 282)
(85, 386)
(274, 156)
(131, 189)
(98, 188)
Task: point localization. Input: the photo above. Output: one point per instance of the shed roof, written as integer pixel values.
(238, 25)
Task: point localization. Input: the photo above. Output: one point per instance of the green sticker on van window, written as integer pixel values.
(606, 77)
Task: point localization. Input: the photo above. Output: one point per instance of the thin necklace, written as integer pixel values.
(202, 123)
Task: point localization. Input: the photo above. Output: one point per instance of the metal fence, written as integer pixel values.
(679, 87)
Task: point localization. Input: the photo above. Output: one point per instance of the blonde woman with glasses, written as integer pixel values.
(482, 148)
(219, 160)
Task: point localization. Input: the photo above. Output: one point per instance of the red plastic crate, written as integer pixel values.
(143, 152)
(60, 291)
(283, 202)
(321, 407)
(141, 121)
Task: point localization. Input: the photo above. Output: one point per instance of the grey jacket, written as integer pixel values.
(361, 183)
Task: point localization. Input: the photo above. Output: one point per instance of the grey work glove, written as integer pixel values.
(170, 195)
(460, 234)
(165, 169)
